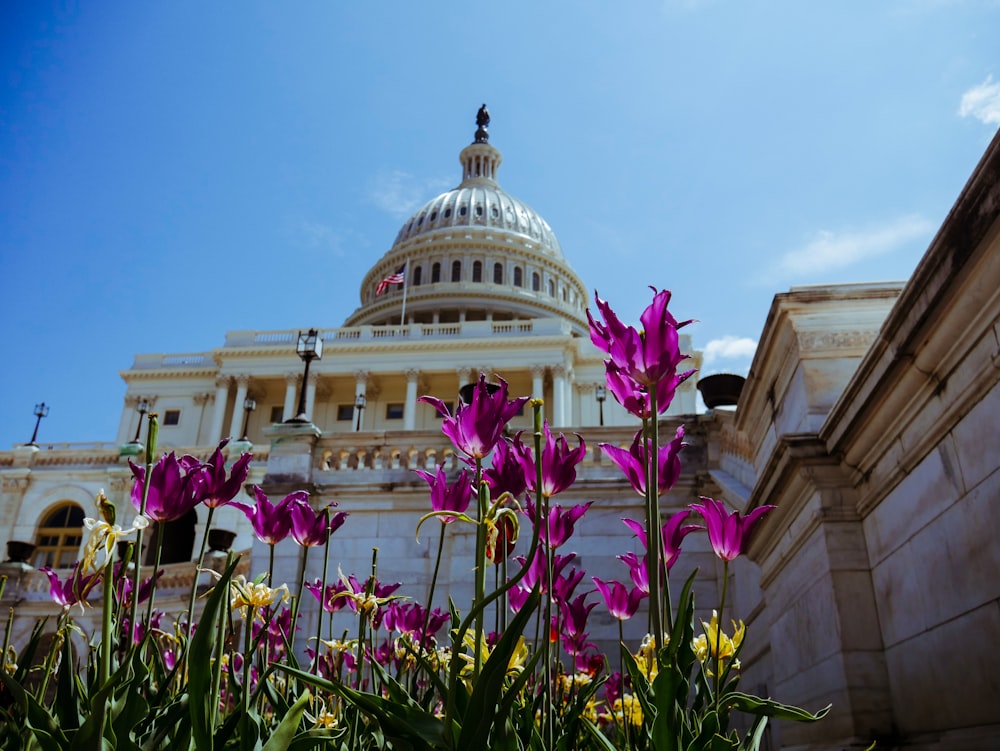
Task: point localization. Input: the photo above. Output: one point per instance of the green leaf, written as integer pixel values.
(481, 715)
(767, 707)
(199, 659)
(42, 725)
(67, 700)
(753, 738)
(399, 721)
(282, 737)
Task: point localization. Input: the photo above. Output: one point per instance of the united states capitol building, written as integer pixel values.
(869, 417)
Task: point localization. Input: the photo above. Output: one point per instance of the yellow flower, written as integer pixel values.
(104, 534)
(645, 657)
(628, 708)
(254, 594)
(718, 644)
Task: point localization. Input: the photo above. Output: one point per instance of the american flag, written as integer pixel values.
(397, 278)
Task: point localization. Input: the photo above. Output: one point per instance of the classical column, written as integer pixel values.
(242, 383)
(201, 401)
(311, 394)
(291, 385)
(221, 398)
(410, 408)
(537, 381)
(558, 396)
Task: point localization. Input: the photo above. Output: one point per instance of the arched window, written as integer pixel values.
(552, 288)
(60, 532)
(477, 271)
(418, 275)
(518, 281)
(498, 273)
(536, 281)
(435, 273)
(456, 271)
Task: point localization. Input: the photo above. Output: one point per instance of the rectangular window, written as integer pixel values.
(277, 413)
(345, 412)
(393, 411)
(172, 417)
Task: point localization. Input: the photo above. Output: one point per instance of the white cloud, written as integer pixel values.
(729, 347)
(982, 102)
(400, 194)
(830, 250)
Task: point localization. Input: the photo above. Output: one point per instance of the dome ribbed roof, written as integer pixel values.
(480, 202)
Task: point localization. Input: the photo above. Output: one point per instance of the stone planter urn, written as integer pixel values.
(220, 540)
(721, 389)
(19, 552)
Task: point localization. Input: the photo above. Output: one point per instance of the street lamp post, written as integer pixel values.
(41, 410)
(249, 405)
(601, 393)
(142, 408)
(309, 347)
(359, 406)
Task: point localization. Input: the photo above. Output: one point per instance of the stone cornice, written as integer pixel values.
(937, 353)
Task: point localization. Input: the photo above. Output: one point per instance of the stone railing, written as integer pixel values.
(98, 454)
(345, 457)
(356, 334)
(155, 362)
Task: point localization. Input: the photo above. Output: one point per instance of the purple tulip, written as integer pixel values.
(74, 589)
(649, 356)
(634, 462)
(271, 522)
(575, 613)
(560, 524)
(219, 490)
(638, 569)
(506, 474)
(622, 603)
(175, 487)
(558, 462)
(448, 497)
(310, 528)
(673, 532)
(475, 428)
(409, 619)
(728, 533)
(331, 603)
(634, 397)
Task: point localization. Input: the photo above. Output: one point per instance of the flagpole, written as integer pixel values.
(406, 270)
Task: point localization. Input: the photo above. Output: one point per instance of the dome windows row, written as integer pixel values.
(499, 274)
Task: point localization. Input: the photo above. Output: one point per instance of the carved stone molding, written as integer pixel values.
(14, 484)
(292, 379)
(223, 382)
(242, 379)
(201, 400)
(811, 341)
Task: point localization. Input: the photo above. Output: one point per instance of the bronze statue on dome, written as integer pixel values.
(483, 121)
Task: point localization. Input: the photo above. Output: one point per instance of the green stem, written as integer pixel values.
(654, 533)
(160, 528)
(297, 602)
(481, 491)
(107, 639)
(430, 594)
(197, 571)
(50, 659)
(718, 633)
(322, 602)
(152, 431)
(270, 564)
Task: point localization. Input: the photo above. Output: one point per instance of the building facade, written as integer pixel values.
(869, 418)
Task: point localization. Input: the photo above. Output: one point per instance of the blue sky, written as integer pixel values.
(171, 171)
